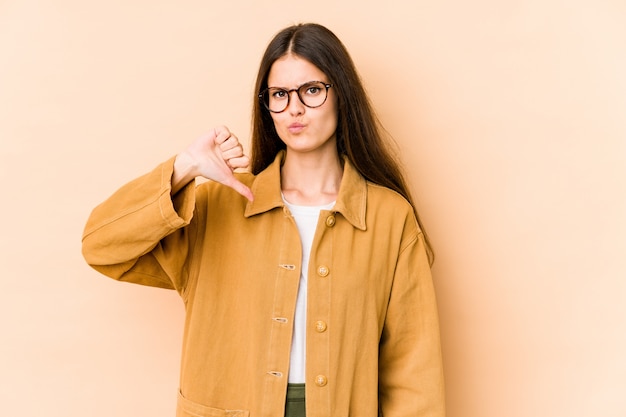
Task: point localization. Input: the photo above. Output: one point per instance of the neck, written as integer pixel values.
(311, 180)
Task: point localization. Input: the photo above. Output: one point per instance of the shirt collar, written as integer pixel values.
(351, 201)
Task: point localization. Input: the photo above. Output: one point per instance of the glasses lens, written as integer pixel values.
(275, 99)
(312, 94)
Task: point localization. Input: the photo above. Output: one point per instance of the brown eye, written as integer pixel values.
(279, 94)
(313, 91)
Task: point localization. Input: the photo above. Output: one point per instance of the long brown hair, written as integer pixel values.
(360, 135)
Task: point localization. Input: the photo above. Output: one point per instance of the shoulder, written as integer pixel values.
(386, 205)
(381, 197)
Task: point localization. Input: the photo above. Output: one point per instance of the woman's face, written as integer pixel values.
(303, 129)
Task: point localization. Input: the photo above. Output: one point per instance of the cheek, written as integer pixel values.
(332, 120)
(276, 120)
(333, 113)
(280, 126)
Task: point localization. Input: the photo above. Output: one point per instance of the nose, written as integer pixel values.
(295, 106)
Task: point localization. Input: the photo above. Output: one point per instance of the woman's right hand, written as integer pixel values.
(213, 156)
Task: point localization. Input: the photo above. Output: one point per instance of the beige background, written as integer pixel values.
(511, 117)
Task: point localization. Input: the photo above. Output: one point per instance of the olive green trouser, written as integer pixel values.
(295, 405)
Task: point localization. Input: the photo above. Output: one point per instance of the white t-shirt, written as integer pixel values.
(306, 218)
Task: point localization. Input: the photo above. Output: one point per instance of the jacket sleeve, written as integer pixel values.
(139, 235)
(410, 364)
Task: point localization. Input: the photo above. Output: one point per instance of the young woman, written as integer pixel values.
(308, 278)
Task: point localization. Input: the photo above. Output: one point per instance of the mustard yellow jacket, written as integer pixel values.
(372, 328)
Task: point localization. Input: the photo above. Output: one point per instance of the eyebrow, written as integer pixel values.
(305, 83)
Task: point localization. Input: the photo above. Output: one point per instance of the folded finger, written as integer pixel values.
(234, 152)
(239, 162)
(222, 134)
(230, 142)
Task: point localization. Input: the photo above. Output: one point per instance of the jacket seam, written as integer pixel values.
(410, 242)
(126, 214)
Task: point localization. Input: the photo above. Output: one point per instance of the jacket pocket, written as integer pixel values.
(188, 408)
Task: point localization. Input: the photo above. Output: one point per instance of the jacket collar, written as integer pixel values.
(351, 201)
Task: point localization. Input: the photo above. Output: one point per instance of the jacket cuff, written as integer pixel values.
(176, 210)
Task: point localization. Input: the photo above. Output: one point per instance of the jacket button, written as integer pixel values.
(330, 221)
(321, 381)
(322, 271)
(320, 326)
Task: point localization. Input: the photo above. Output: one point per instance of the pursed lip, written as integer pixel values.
(296, 127)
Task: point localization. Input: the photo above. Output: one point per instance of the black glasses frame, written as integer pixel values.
(297, 90)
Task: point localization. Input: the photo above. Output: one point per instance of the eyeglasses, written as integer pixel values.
(312, 94)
